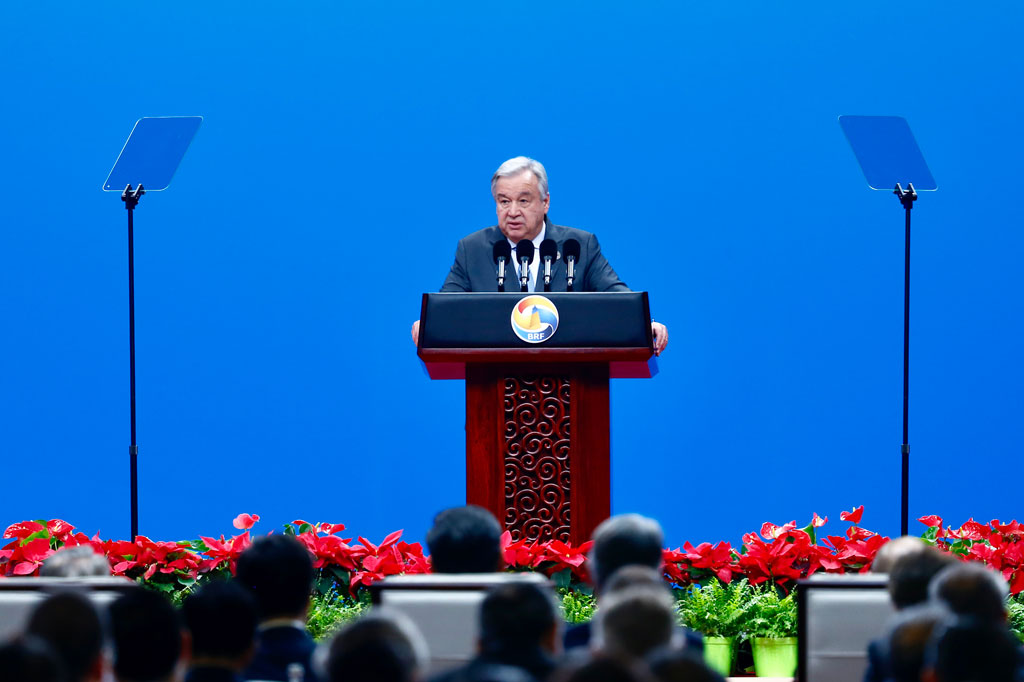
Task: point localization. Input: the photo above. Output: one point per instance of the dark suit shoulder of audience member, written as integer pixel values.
(601, 668)
(907, 640)
(381, 646)
(680, 665)
(147, 636)
(30, 659)
(972, 650)
(465, 540)
(278, 571)
(71, 625)
(221, 616)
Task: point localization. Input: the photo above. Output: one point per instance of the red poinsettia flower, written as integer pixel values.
(852, 516)
(245, 521)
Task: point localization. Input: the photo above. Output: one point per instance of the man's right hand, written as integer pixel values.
(416, 332)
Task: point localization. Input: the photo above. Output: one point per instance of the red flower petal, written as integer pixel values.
(245, 521)
(852, 516)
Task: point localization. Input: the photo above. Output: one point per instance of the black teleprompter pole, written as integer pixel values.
(130, 197)
(907, 197)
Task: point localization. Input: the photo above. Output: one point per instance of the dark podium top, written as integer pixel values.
(613, 328)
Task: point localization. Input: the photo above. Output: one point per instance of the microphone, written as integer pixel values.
(548, 253)
(570, 254)
(524, 254)
(502, 252)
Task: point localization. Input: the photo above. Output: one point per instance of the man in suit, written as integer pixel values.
(521, 198)
(278, 572)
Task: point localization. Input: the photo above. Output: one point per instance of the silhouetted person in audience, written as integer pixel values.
(278, 571)
(971, 590)
(909, 634)
(381, 646)
(971, 650)
(581, 667)
(149, 644)
(70, 624)
(221, 617)
(897, 548)
(680, 665)
(81, 561)
(636, 621)
(909, 577)
(518, 627)
(465, 540)
(30, 659)
(620, 541)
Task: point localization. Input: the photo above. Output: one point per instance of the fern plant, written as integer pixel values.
(577, 606)
(770, 615)
(1015, 615)
(716, 609)
(328, 612)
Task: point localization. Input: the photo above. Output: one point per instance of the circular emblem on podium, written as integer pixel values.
(534, 319)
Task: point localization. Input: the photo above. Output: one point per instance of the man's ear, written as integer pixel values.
(96, 668)
(928, 675)
(550, 641)
(186, 646)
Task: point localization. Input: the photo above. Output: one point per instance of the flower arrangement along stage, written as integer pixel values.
(775, 557)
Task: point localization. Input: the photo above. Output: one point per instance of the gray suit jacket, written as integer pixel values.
(474, 268)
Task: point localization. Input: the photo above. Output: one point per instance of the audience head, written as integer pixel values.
(221, 616)
(971, 650)
(674, 665)
(911, 574)
(518, 617)
(29, 659)
(634, 622)
(909, 635)
(278, 571)
(894, 550)
(147, 636)
(80, 561)
(69, 623)
(465, 540)
(622, 541)
(382, 646)
(971, 590)
(634, 576)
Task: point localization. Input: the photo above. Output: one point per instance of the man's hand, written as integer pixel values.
(416, 332)
(660, 336)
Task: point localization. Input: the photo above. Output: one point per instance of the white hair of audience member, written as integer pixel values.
(624, 540)
(80, 561)
(894, 550)
(381, 623)
(636, 621)
(517, 165)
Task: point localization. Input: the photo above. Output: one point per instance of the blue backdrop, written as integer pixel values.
(347, 146)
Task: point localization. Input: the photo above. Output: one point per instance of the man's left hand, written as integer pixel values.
(660, 337)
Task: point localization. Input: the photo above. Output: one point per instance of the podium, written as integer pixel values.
(537, 368)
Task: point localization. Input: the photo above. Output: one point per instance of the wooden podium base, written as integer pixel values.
(537, 447)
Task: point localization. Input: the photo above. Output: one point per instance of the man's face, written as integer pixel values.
(520, 209)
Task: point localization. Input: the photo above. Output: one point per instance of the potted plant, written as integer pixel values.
(717, 611)
(770, 623)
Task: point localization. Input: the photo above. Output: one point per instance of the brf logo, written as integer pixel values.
(534, 319)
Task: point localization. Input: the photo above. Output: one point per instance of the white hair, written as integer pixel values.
(517, 165)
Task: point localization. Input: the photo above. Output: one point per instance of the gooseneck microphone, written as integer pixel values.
(524, 254)
(570, 254)
(548, 255)
(502, 252)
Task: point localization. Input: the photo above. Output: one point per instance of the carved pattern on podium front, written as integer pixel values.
(536, 457)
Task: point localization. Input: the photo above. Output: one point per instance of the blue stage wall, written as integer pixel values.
(347, 146)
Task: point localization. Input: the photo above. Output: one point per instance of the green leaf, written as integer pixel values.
(563, 578)
(186, 580)
(930, 534)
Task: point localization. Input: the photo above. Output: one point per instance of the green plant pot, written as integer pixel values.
(774, 656)
(718, 654)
